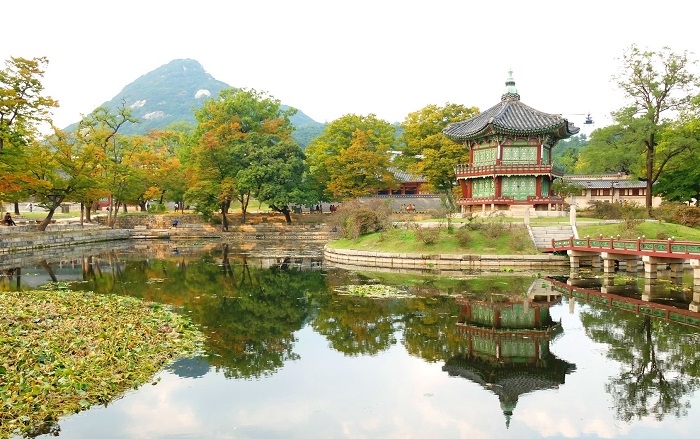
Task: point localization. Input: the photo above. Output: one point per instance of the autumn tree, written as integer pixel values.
(351, 157)
(101, 129)
(239, 139)
(23, 109)
(659, 86)
(62, 167)
(22, 106)
(427, 151)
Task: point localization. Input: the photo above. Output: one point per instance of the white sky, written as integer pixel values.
(331, 57)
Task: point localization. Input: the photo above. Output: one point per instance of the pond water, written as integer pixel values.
(290, 355)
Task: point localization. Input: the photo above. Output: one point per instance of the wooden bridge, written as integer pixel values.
(670, 253)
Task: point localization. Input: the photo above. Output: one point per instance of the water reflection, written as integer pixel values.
(506, 342)
(287, 356)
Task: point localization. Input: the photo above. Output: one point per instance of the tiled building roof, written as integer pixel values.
(405, 177)
(607, 184)
(512, 117)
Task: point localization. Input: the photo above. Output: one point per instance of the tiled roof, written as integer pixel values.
(607, 184)
(405, 177)
(511, 116)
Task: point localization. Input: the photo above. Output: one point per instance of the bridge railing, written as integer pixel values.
(636, 246)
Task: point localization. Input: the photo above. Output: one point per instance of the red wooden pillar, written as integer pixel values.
(538, 186)
(497, 187)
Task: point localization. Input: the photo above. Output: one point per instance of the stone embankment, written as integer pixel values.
(56, 237)
(241, 233)
(442, 263)
(27, 237)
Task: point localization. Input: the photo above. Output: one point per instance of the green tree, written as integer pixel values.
(681, 181)
(239, 139)
(427, 151)
(611, 149)
(566, 154)
(659, 85)
(280, 171)
(351, 157)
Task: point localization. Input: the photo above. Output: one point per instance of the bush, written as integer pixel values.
(359, 217)
(429, 235)
(463, 236)
(687, 215)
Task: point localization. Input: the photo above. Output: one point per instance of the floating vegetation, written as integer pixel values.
(62, 352)
(378, 291)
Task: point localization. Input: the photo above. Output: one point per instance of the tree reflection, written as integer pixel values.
(357, 325)
(659, 366)
(248, 314)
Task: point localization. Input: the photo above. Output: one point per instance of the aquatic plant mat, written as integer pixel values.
(63, 351)
(376, 291)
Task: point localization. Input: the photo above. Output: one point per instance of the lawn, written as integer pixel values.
(494, 238)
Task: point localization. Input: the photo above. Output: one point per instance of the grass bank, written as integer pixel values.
(633, 230)
(62, 352)
(494, 238)
(502, 238)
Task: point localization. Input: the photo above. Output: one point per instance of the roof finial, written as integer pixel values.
(510, 93)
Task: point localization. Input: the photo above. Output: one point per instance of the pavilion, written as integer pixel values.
(510, 157)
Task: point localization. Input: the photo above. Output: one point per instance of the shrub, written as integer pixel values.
(359, 217)
(687, 215)
(463, 236)
(429, 235)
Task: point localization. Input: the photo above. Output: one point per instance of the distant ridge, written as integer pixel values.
(174, 90)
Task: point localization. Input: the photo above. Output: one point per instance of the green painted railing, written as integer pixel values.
(641, 246)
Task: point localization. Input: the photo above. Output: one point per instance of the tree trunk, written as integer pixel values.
(224, 221)
(650, 176)
(42, 226)
(287, 216)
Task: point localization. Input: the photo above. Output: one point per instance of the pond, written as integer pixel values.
(293, 352)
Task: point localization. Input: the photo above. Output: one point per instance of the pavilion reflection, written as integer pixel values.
(506, 344)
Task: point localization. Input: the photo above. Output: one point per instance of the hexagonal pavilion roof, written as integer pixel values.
(511, 117)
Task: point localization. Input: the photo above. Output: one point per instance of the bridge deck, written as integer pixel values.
(641, 247)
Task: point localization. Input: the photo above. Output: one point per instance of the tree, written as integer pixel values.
(427, 151)
(239, 139)
(22, 110)
(567, 152)
(63, 167)
(660, 87)
(101, 129)
(280, 170)
(612, 149)
(681, 182)
(22, 106)
(351, 157)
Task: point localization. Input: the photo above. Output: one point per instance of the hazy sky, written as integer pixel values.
(330, 58)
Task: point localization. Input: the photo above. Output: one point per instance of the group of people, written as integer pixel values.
(8, 221)
(408, 208)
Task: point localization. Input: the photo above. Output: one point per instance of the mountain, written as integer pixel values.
(173, 91)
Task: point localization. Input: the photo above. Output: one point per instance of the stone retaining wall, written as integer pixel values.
(47, 239)
(444, 263)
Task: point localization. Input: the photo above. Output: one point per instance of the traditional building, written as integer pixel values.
(510, 156)
(608, 188)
